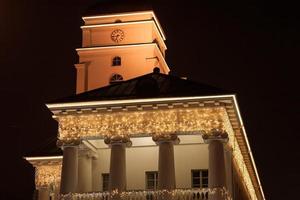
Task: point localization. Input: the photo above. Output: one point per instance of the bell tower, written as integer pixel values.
(118, 47)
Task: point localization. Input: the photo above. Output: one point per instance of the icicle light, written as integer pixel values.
(74, 127)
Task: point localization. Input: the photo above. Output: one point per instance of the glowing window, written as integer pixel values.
(116, 61)
(151, 180)
(105, 182)
(115, 78)
(200, 178)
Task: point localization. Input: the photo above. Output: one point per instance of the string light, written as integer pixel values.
(156, 123)
(238, 157)
(75, 127)
(201, 193)
(46, 175)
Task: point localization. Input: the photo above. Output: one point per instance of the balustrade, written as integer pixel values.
(177, 194)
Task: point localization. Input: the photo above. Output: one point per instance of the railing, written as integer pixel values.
(177, 194)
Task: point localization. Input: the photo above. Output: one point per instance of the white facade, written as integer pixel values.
(191, 153)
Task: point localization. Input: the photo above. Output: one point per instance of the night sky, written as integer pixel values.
(250, 47)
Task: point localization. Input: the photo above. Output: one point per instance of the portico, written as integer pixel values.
(166, 167)
(204, 118)
(163, 122)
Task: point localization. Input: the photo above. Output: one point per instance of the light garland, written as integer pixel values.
(47, 175)
(159, 122)
(196, 194)
(238, 157)
(155, 123)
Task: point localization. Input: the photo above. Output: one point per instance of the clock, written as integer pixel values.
(117, 35)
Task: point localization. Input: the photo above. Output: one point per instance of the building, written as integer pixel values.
(133, 131)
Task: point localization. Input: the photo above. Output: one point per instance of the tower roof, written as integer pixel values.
(118, 6)
(153, 85)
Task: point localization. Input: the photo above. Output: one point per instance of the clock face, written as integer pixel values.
(117, 35)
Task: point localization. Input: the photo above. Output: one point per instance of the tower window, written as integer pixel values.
(199, 178)
(151, 180)
(116, 61)
(105, 182)
(115, 78)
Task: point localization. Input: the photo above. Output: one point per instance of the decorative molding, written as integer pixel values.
(215, 134)
(118, 139)
(166, 138)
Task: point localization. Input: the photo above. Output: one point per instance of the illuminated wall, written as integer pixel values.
(136, 38)
(145, 152)
(97, 68)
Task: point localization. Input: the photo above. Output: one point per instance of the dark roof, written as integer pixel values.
(118, 6)
(47, 147)
(147, 86)
(153, 85)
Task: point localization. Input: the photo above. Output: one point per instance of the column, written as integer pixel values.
(228, 167)
(43, 193)
(69, 173)
(96, 172)
(84, 170)
(166, 167)
(117, 173)
(216, 166)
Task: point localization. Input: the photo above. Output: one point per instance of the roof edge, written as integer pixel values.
(56, 106)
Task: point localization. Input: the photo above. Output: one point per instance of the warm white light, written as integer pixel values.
(117, 15)
(47, 175)
(130, 14)
(132, 101)
(115, 47)
(40, 158)
(131, 123)
(248, 145)
(117, 24)
(156, 194)
(127, 23)
(161, 122)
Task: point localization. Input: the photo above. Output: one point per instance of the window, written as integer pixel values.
(199, 178)
(151, 180)
(115, 78)
(116, 61)
(105, 182)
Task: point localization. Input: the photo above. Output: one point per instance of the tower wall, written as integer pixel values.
(136, 38)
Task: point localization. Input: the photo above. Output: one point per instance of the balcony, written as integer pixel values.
(177, 194)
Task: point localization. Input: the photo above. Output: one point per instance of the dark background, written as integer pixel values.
(250, 47)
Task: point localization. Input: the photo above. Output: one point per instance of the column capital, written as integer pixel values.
(166, 138)
(118, 140)
(215, 134)
(73, 142)
(86, 152)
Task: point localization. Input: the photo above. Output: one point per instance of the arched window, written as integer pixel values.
(115, 78)
(116, 61)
